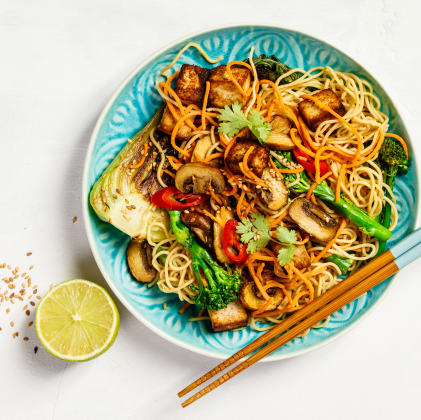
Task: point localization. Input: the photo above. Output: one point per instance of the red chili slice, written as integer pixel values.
(229, 239)
(167, 199)
(308, 163)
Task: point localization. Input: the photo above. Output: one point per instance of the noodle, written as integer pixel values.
(354, 140)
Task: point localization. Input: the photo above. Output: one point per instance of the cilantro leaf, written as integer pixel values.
(259, 127)
(285, 255)
(286, 236)
(262, 225)
(261, 229)
(235, 120)
(245, 228)
(256, 245)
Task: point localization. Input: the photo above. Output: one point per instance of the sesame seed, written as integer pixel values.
(13, 272)
(51, 286)
(25, 307)
(74, 219)
(6, 297)
(128, 207)
(7, 281)
(14, 335)
(32, 303)
(9, 267)
(29, 253)
(30, 324)
(129, 141)
(35, 291)
(17, 334)
(115, 196)
(26, 339)
(29, 297)
(23, 285)
(12, 301)
(17, 276)
(253, 229)
(127, 201)
(259, 232)
(133, 207)
(17, 269)
(28, 312)
(31, 267)
(7, 310)
(38, 297)
(11, 286)
(12, 323)
(35, 349)
(23, 275)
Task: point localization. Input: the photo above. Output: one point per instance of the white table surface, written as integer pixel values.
(60, 61)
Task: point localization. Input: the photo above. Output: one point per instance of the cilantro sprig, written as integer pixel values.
(235, 120)
(254, 232)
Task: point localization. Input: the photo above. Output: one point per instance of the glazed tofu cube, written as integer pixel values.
(223, 91)
(313, 115)
(191, 84)
(168, 123)
(232, 317)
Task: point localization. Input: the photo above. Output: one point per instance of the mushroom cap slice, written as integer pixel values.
(313, 219)
(251, 301)
(139, 257)
(277, 195)
(279, 138)
(194, 177)
(201, 225)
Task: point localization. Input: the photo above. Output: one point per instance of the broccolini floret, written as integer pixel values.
(222, 286)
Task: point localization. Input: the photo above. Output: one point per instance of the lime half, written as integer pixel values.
(77, 320)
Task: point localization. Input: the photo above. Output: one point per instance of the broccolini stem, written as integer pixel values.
(359, 217)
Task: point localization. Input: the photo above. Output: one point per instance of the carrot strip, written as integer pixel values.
(205, 103)
(176, 165)
(274, 87)
(243, 193)
(329, 245)
(307, 283)
(212, 216)
(338, 185)
(275, 168)
(251, 205)
(256, 279)
(240, 89)
(315, 184)
(360, 162)
(184, 307)
(145, 148)
(278, 219)
(213, 195)
(262, 309)
(198, 158)
(214, 156)
(169, 173)
(291, 171)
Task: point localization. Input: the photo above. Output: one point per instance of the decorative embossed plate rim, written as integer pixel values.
(125, 288)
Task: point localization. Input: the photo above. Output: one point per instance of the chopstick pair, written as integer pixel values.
(367, 277)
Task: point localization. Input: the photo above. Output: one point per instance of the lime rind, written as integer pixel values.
(92, 326)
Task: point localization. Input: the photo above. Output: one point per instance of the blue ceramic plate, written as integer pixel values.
(133, 105)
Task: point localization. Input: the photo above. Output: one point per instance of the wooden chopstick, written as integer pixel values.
(380, 274)
(370, 268)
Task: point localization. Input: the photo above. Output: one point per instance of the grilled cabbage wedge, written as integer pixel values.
(122, 197)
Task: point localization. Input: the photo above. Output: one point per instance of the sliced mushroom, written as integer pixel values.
(201, 150)
(313, 220)
(139, 257)
(301, 259)
(279, 138)
(249, 298)
(201, 225)
(218, 233)
(195, 177)
(257, 161)
(277, 195)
